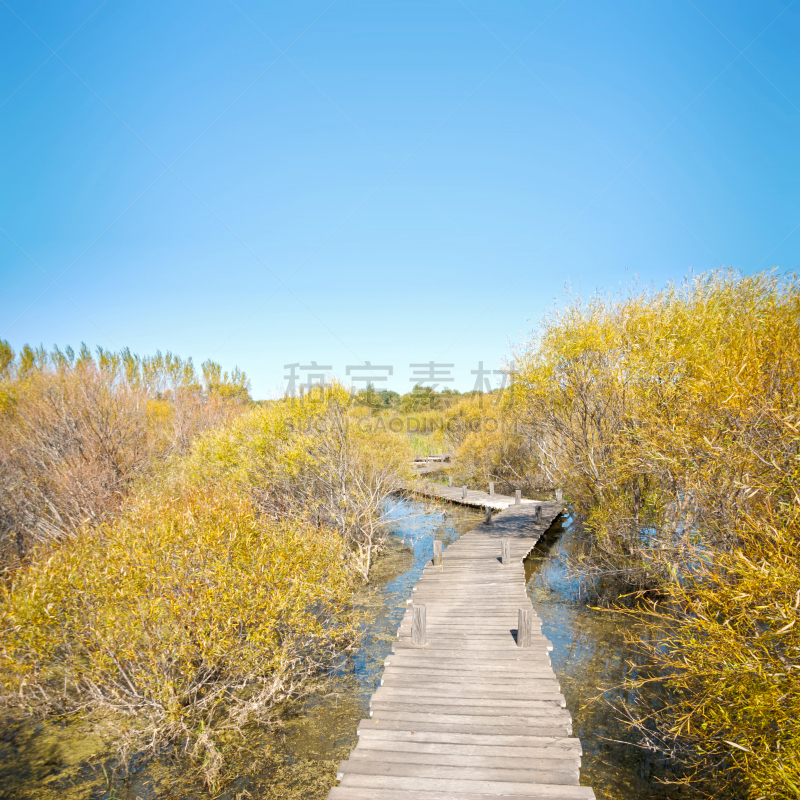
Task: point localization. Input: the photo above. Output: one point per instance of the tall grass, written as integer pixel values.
(77, 430)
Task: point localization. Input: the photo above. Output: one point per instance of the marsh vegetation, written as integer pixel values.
(179, 563)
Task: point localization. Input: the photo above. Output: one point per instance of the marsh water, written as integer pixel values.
(298, 759)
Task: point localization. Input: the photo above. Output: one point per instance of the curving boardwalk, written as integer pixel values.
(473, 497)
(470, 715)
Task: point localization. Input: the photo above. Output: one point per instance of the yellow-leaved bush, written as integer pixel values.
(490, 444)
(223, 586)
(673, 419)
(309, 456)
(77, 430)
(187, 618)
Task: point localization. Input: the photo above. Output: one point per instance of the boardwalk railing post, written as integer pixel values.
(463, 492)
(437, 553)
(525, 627)
(559, 495)
(488, 518)
(518, 497)
(450, 481)
(505, 551)
(418, 624)
(538, 515)
(491, 487)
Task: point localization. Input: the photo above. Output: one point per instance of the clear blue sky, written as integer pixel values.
(388, 181)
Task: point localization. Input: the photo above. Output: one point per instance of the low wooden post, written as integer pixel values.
(451, 481)
(559, 495)
(538, 515)
(418, 624)
(518, 497)
(463, 492)
(488, 518)
(491, 487)
(525, 627)
(505, 551)
(437, 553)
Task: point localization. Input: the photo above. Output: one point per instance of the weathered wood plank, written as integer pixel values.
(456, 787)
(357, 793)
(367, 732)
(469, 706)
(531, 753)
(472, 727)
(472, 696)
(504, 772)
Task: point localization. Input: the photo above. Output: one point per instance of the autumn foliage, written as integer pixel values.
(673, 418)
(187, 588)
(77, 430)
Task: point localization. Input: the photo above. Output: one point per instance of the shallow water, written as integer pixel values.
(299, 761)
(589, 656)
(592, 659)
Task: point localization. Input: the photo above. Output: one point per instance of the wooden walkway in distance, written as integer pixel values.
(472, 497)
(470, 715)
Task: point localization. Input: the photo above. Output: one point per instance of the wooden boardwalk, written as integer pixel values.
(472, 497)
(469, 714)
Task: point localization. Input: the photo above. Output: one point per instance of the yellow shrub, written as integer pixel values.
(674, 419)
(188, 617)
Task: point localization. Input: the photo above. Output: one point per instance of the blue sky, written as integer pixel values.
(398, 182)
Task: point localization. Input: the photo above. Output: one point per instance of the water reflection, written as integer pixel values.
(592, 660)
(65, 761)
(299, 762)
(326, 728)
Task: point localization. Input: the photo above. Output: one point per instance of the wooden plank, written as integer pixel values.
(457, 787)
(532, 672)
(357, 793)
(485, 751)
(443, 711)
(367, 732)
(469, 713)
(532, 688)
(503, 772)
(501, 717)
(473, 727)
(385, 692)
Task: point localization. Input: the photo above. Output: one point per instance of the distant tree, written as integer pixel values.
(420, 398)
(377, 399)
